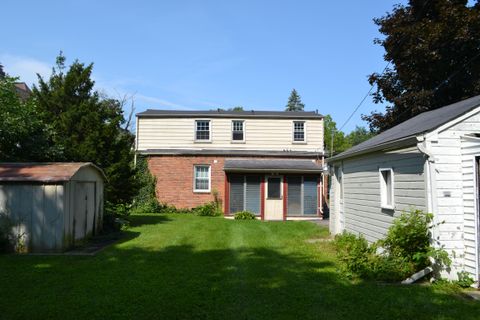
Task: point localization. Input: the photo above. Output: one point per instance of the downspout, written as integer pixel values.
(432, 205)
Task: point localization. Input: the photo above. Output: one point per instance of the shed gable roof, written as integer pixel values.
(42, 172)
(422, 123)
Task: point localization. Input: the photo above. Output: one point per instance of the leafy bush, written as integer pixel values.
(149, 206)
(354, 254)
(464, 279)
(406, 249)
(244, 215)
(409, 238)
(209, 209)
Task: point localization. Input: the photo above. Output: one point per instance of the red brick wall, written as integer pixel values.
(175, 179)
(174, 176)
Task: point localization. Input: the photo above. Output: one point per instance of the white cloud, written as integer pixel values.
(24, 67)
(27, 68)
(161, 102)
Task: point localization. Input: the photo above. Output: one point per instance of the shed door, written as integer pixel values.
(84, 218)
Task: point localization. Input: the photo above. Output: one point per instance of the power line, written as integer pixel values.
(363, 100)
(373, 85)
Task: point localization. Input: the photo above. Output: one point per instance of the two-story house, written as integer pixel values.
(266, 162)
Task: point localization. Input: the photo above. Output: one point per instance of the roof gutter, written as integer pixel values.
(392, 145)
(273, 170)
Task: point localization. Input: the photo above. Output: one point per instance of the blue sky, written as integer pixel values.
(206, 54)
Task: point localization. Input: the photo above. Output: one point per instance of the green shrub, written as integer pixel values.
(406, 249)
(354, 254)
(150, 206)
(464, 279)
(244, 215)
(209, 209)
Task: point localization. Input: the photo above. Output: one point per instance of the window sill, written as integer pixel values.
(238, 141)
(202, 141)
(299, 142)
(274, 199)
(201, 191)
(392, 207)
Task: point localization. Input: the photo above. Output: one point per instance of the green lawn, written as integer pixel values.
(188, 267)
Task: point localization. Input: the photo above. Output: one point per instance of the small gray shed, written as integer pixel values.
(52, 206)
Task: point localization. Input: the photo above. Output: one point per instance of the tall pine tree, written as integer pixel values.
(88, 127)
(434, 51)
(294, 102)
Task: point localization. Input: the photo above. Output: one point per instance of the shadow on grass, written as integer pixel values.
(180, 282)
(148, 219)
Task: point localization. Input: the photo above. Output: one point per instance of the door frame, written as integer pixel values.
(283, 194)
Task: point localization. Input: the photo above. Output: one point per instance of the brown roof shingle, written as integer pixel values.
(41, 172)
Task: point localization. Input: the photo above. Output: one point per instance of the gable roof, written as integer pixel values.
(406, 132)
(42, 172)
(230, 114)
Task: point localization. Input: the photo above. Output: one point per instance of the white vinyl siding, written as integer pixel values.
(201, 181)
(454, 173)
(260, 134)
(360, 209)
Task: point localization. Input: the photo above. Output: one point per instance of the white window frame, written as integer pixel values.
(304, 141)
(209, 131)
(195, 178)
(243, 130)
(383, 189)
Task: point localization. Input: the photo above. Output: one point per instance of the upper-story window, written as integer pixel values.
(299, 131)
(238, 133)
(202, 130)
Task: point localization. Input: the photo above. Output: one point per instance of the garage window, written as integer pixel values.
(386, 188)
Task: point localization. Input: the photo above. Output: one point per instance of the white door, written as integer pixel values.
(274, 198)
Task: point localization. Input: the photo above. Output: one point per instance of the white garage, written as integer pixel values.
(52, 206)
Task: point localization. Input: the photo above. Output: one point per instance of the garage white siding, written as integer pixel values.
(454, 152)
(361, 205)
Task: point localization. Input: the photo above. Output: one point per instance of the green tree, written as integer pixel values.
(294, 102)
(358, 135)
(87, 126)
(339, 143)
(434, 51)
(2, 72)
(24, 136)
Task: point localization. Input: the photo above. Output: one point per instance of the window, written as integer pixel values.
(298, 131)
(201, 181)
(237, 130)
(386, 188)
(202, 130)
(274, 188)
